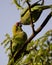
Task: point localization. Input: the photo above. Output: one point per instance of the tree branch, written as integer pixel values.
(31, 37)
(32, 25)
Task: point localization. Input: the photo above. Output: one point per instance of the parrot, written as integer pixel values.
(36, 10)
(19, 37)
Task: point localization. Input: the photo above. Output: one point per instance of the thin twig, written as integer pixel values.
(42, 2)
(32, 25)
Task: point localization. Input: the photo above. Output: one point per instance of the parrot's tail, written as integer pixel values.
(45, 7)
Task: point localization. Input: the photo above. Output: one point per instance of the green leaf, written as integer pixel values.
(4, 41)
(51, 46)
(17, 4)
(7, 49)
(7, 42)
(8, 36)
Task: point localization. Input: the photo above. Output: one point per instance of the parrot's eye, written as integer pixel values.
(20, 25)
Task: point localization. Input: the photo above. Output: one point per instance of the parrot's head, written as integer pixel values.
(16, 27)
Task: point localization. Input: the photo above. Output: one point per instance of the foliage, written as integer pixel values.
(19, 3)
(40, 51)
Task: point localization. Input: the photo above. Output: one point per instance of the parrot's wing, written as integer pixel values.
(23, 11)
(18, 40)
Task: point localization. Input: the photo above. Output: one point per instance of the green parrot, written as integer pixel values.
(19, 37)
(36, 10)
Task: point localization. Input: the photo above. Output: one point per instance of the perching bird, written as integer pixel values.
(19, 37)
(36, 10)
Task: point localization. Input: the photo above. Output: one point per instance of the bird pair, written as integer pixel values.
(19, 36)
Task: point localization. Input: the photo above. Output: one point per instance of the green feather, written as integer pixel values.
(36, 13)
(18, 39)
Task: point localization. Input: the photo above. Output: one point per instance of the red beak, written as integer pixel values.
(18, 24)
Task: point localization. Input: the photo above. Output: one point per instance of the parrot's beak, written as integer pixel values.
(18, 24)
